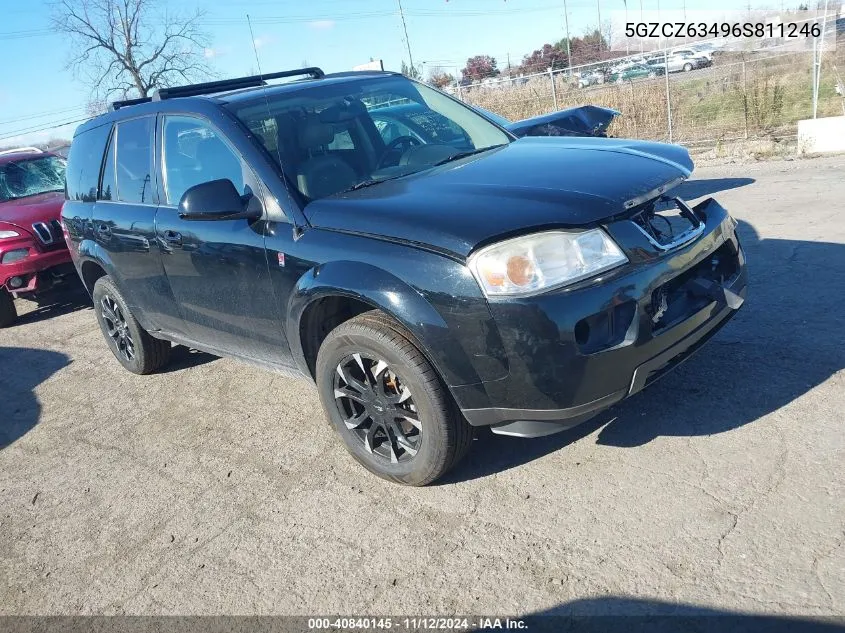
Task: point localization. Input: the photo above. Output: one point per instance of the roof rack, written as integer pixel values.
(18, 150)
(224, 85)
(232, 84)
(117, 105)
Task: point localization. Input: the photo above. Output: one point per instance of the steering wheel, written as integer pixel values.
(405, 142)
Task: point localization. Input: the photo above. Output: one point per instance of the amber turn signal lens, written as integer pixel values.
(520, 270)
(493, 276)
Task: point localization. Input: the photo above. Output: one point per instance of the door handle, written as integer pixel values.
(173, 237)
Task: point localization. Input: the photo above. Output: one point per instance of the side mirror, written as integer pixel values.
(216, 200)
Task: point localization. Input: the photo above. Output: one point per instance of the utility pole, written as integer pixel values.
(405, 28)
(817, 62)
(658, 36)
(598, 10)
(568, 49)
(627, 39)
(642, 44)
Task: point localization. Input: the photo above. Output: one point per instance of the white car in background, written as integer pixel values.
(592, 78)
(703, 58)
(676, 63)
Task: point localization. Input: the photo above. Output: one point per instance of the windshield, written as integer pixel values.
(31, 176)
(339, 136)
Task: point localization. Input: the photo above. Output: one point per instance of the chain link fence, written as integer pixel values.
(741, 96)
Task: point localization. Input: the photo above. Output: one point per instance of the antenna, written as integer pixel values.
(407, 41)
(297, 230)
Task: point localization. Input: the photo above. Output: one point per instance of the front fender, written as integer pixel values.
(412, 308)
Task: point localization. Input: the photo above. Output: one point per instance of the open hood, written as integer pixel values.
(588, 120)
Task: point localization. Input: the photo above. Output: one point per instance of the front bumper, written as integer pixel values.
(578, 351)
(32, 269)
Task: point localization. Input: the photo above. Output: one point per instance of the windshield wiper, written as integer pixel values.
(469, 152)
(364, 183)
(369, 182)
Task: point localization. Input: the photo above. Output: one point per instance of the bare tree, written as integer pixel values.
(131, 47)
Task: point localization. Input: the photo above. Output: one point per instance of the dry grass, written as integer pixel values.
(758, 99)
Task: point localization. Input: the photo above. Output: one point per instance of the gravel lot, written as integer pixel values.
(219, 488)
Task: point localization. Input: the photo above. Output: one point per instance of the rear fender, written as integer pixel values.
(90, 251)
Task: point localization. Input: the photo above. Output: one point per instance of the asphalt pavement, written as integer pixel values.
(214, 487)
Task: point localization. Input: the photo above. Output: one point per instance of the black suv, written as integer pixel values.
(430, 272)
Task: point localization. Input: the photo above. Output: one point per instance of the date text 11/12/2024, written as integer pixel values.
(417, 624)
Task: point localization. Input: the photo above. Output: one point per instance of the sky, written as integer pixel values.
(37, 90)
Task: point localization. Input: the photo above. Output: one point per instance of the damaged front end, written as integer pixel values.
(668, 223)
(622, 331)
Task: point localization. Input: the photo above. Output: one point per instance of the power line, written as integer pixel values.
(22, 35)
(422, 13)
(34, 130)
(41, 115)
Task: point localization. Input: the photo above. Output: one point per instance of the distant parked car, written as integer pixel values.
(33, 253)
(712, 47)
(702, 58)
(592, 78)
(676, 63)
(633, 71)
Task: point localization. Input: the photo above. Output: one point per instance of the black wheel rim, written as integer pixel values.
(117, 328)
(377, 408)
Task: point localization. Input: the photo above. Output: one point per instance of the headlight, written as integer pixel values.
(5, 234)
(533, 263)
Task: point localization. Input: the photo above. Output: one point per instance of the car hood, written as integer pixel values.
(24, 212)
(588, 120)
(529, 184)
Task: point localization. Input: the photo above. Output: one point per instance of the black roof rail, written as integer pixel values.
(225, 85)
(117, 105)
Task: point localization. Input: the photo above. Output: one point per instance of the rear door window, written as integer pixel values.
(133, 164)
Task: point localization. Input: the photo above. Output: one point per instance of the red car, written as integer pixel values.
(33, 252)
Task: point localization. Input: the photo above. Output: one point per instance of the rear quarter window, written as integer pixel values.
(84, 162)
(133, 166)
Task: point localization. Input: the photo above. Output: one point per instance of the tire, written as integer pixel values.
(386, 399)
(131, 345)
(687, 67)
(8, 312)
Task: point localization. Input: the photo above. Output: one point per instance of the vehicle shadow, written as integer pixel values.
(184, 358)
(700, 187)
(787, 339)
(608, 614)
(56, 303)
(20, 409)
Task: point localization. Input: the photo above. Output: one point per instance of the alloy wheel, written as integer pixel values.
(117, 328)
(377, 408)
